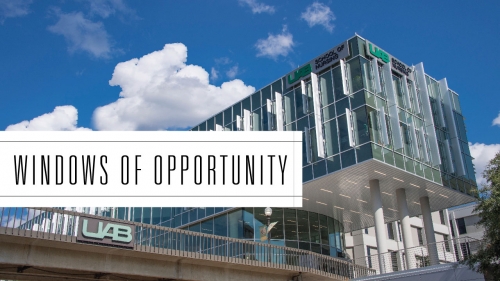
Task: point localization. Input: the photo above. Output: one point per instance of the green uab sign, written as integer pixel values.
(107, 232)
(378, 53)
(302, 72)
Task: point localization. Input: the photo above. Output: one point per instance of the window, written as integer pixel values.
(390, 231)
(366, 230)
(420, 236)
(461, 226)
(369, 256)
(441, 216)
(394, 261)
(446, 244)
(399, 232)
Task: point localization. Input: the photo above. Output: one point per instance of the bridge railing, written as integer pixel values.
(62, 225)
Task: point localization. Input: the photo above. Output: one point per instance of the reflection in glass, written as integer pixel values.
(331, 141)
(325, 87)
(289, 108)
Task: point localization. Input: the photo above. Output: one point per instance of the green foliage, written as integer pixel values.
(487, 259)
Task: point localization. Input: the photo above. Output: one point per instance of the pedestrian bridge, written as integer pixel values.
(46, 244)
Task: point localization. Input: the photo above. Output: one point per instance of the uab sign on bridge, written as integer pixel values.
(102, 231)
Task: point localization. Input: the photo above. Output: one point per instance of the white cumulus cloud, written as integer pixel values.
(482, 154)
(258, 7)
(319, 14)
(63, 118)
(13, 8)
(496, 121)
(275, 45)
(160, 91)
(82, 34)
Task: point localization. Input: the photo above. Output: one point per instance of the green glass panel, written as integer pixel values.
(348, 158)
(329, 112)
(358, 99)
(437, 175)
(276, 87)
(290, 224)
(388, 156)
(303, 225)
(427, 172)
(364, 152)
(326, 88)
(419, 169)
(319, 169)
(307, 173)
(356, 77)
(341, 105)
(377, 152)
(409, 165)
(370, 99)
(331, 137)
(208, 226)
(333, 163)
(399, 161)
(266, 94)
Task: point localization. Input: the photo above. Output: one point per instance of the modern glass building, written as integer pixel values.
(382, 141)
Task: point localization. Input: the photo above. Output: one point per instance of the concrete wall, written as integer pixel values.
(77, 258)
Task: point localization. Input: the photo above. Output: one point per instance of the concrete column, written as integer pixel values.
(404, 217)
(429, 230)
(378, 215)
(456, 241)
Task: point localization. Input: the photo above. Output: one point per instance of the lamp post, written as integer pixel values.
(268, 212)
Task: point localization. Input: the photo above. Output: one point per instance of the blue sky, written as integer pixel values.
(69, 53)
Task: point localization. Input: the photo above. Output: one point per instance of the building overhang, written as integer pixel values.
(345, 194)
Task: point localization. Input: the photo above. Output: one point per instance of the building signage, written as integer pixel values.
(106, 232)
(321, 62)
(383, 56)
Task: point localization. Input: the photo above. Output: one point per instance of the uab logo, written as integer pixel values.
(376, 52)
(117, 233)
(304, 71)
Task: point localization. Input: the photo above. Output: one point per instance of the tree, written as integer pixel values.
(487, 259)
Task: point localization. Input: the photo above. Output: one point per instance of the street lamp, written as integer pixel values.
(268, 212)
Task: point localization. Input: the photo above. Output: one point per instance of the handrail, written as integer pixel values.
(62, 225)
(447, 251)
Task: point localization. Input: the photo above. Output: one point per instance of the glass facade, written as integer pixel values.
(363, 123)
(369, 109)
(294, 228)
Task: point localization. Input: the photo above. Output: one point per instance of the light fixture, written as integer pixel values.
(379, 172)
(321, 203)
(344, 195)
(398, 179)
(268, 211)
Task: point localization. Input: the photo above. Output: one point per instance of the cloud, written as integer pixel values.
(105, 8)
(275, 45)
(482, 154)
(319, 14)
(257, 7)
(160, 91)
(232, 72)
(214, 74)
(13, 8)
(82, 34)
(496, 121)
(63, 118)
